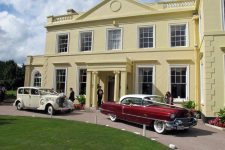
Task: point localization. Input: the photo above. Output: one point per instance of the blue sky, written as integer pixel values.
(22, 31)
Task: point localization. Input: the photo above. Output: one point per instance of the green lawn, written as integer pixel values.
(46, 134)
(11, 94)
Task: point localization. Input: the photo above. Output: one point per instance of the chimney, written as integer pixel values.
(71, 11)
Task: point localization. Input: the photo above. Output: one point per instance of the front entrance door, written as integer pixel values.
(111, 82)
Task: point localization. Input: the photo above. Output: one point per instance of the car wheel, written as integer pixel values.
(112, 117)
(19, 106)
(159, 126)
(50, 110)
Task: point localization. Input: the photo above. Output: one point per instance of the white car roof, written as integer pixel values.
(139, 96)
(28, 87)
(32, 87)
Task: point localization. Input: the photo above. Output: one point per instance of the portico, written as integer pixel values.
(111, 76)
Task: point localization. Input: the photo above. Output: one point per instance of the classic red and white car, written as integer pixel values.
(146, 109)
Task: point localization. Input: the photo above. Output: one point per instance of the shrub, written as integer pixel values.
(189, 104)
(217, 122)
(81, 99)
(220, 120)
(11, 94)
(221, 115)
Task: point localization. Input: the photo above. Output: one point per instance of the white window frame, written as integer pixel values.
(79, 44)
(138, 36)
(59, 68)
(32, 77)
(187, 33)
(137, 75)
(202, 74)
(57, 43)
(224, 77)
(223, 15)
(107, 38)
(78, 78)
(187, 80)
(200, 26)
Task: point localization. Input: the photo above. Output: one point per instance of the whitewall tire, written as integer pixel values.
(112, 117)
(50, 110)
(159, 126)
(19, 106)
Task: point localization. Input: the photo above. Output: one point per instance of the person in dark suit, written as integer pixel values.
(100, 94)
(72, 98)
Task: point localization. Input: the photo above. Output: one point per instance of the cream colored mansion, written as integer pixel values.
(130, 47)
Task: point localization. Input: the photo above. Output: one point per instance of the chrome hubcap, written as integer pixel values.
(50, 110)
(112, 117)
(159, 125)
(19, 105)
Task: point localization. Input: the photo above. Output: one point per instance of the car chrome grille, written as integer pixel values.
(186, 121)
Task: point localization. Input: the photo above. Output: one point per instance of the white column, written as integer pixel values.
(88, 90)
(116, 86)
(123, 84)
(94, 89)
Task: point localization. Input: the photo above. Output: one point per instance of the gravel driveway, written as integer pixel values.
(200, 137)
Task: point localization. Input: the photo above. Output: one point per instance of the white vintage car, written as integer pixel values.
(42, 99)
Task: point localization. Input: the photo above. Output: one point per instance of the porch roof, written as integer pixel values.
(107, 65)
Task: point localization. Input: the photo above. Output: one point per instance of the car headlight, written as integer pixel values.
(172, 116)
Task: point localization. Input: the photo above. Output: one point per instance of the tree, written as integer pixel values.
(11, 75)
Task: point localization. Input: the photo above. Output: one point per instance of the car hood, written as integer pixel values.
(180, 112)
(51, 96)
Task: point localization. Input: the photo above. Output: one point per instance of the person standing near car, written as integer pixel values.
(100, 94)
(72, 98)
(168, 98)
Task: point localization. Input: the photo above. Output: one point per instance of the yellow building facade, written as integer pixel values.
(130, 47)
(212, 55)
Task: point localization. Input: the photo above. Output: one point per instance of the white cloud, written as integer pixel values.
(22, 29)
(13, 36)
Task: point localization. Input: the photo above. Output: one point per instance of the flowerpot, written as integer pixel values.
(220, 124)
(82, 106)
(223, 125)
(77, 106)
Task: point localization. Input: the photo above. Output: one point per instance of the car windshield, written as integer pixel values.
(150, 100)
(155, 98)
(47, 92)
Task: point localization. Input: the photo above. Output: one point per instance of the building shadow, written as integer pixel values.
(73, 113)
(57, 113)
(192, 132)
(6, 121)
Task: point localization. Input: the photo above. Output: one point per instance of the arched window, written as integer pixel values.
(37, 79)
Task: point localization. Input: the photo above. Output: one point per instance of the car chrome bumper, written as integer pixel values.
(181, 123)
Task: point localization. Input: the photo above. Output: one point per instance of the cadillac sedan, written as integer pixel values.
(148, 110)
